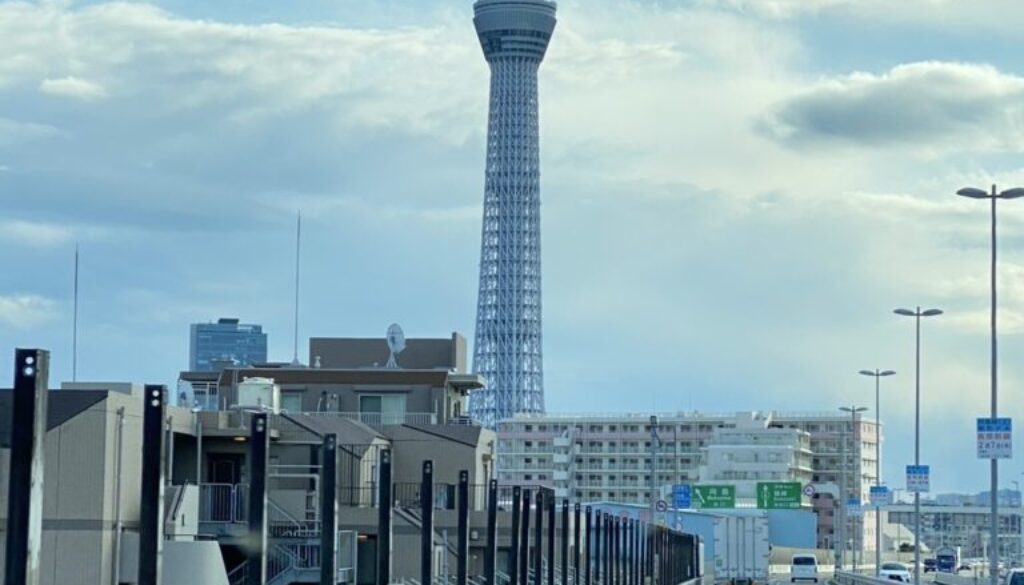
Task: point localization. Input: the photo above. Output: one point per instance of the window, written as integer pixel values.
(382, 409)
(291, 402)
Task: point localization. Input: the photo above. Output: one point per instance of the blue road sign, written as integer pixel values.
(682, 497)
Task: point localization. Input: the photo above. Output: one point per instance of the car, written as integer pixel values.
(803, 568)
(930, 565)
(895, 572)
(1015, 577)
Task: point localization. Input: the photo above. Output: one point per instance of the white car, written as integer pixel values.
(894, 572)
(803, 568)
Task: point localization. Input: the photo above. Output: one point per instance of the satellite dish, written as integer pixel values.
(396, 343)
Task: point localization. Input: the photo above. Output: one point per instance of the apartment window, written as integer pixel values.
(528, 428)
(291, 401)
(388, 409)
(612, 428)
(542, 428)
(542, 477)
(528, 477)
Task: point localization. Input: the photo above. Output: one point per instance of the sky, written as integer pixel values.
(736, 194)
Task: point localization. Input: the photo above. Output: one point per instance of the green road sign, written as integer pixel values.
(778, 494)
(714, 496)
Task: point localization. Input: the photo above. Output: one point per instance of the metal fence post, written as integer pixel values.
(524, 542)
(462, 541)
(151, 508)
(259, 455)
(28, 459)
(329, 511)
(550, 501)
(607, 549)
(565, 542)
(491, 554)
(538, 567)
(427, 527)
(513, 553)
(577, 553)
(589, 556)
(384, 501)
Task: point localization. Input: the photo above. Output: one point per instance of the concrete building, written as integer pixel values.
(607, 456)
(92, 490)
(226, 341)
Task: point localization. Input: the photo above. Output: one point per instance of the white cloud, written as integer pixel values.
(18, 232)
(25, 311)
(14, 132)
(73, 87)
(932, 107)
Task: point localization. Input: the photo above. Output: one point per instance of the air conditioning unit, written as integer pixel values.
(259, 394)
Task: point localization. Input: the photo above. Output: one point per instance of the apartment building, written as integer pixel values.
(965, 527)
(608, 456)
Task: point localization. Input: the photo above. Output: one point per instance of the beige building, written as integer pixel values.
(608, 456)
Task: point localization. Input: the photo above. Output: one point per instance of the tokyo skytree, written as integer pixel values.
(514, 35)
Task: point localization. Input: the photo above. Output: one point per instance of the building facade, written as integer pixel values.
(514, 36)
(226, 341)
(608, 457)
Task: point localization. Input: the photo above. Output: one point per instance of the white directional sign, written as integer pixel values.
(918, 478)
(995, 438)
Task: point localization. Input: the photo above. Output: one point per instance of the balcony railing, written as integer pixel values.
(379, 419)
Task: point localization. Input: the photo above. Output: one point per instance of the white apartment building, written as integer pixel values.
(608, 456)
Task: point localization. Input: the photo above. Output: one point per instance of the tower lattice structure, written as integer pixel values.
(514, 35)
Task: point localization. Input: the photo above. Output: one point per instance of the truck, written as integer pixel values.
(947, 559)
(742, 550)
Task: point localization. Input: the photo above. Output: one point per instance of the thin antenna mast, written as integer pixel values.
(74, 326)
(298, 247)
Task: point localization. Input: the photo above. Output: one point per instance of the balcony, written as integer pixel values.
(381, 419)
(560, 458)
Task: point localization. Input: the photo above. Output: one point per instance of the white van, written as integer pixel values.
(803, 568)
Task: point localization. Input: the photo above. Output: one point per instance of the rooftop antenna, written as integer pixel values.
(396, 343)
(74, 325)
(298, 248)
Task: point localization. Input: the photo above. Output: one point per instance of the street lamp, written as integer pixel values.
(993, 195)
(854, 411)
(917, 314)
(878, 375)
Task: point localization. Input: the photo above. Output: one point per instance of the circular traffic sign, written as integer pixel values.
(809, 490)
(661, 506)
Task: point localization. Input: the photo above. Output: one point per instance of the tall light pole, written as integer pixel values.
(994, 528)
(854, 411)
(878, 375)
(917, 314)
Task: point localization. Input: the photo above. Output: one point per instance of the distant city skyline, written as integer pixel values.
(736, 194)
(226, 340)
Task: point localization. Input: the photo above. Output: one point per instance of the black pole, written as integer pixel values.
(329, 511)
(151, 508)
(550, 501)
(577, 553)
(259, 451)
(524, 542)
(462, 541)
(617, 543)
(641, 550)
(384, 504)
(513, 551)
(427, 527)
(565, 542)
(538, 567)
(589, 514)
(630, 575)
(490, 555)
(28, 462)
(606, 548)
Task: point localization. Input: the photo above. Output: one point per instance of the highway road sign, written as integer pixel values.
(853, 508)
(995, 438)
(918, 478)
(880, 496)
(714, 496)
(682, 496)
(778, 494)
(661, 506)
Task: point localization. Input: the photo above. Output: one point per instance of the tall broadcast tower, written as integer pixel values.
(514, 35)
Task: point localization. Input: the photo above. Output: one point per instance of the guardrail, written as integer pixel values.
(850, 578)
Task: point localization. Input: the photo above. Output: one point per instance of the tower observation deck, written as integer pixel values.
(514, 35)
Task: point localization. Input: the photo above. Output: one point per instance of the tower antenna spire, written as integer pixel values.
(298, 249)
(74, 324)
(514, 36)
